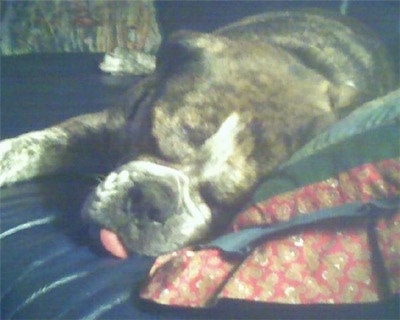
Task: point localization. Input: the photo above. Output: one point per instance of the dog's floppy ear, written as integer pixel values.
(186, 49)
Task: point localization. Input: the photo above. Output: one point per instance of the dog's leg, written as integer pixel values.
(83, 141)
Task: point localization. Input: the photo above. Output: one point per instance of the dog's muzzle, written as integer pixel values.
(147, 205)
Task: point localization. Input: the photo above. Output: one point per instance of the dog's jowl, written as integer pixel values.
(220, 112)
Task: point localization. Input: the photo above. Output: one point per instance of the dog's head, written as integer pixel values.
(155, 208)
(196, 123)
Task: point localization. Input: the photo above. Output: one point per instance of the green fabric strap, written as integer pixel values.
(244, 241)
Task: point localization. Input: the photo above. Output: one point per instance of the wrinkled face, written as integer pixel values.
(155, 208)
(145, 203)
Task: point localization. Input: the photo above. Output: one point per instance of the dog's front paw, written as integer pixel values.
(13, 161)
(21, 159)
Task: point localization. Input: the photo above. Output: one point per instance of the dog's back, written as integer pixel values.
(342, 49)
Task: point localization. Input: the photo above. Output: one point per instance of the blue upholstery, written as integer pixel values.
(50, 267)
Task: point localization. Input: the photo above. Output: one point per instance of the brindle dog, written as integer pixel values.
(220, 112)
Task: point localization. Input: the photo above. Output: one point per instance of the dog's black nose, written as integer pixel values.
(136, 194)
(151, 201)
(156, 214)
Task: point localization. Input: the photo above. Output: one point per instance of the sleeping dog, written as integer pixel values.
(220, 112)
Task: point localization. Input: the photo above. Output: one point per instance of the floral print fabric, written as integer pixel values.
(341, 262)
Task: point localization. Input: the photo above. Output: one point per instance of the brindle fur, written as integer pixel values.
(220, 112)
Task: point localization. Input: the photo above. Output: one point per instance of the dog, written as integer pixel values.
(220, 112)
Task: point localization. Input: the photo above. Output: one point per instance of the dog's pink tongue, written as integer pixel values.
(112, 244)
